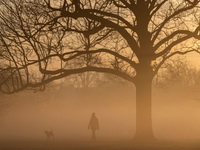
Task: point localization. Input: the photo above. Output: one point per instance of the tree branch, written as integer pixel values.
(193, 4)
(106, 22)
(66, 73)
(173, 54)
(172, 35)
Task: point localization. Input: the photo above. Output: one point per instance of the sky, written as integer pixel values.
(194, 58)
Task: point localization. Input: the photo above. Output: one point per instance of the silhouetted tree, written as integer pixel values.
(179, 72)
(43, 40)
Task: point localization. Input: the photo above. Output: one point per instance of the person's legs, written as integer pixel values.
(93, 135)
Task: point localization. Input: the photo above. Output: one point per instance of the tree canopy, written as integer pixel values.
(45, 40)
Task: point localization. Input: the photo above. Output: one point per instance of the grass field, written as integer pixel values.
(117, 145)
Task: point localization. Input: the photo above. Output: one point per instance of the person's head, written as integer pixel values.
(93, 114)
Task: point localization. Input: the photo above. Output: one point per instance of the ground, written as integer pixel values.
(66, 145)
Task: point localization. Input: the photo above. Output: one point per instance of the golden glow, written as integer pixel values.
(175, 115)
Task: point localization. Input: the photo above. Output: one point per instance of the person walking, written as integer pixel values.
(93, 125)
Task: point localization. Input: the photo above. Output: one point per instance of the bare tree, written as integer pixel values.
(46, 40)
(178, 71)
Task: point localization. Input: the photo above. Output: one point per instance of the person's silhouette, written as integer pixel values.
(93, 125)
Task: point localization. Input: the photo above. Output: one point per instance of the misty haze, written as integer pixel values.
(67, 110)
(100, 74)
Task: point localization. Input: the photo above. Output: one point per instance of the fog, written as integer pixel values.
(67, 112)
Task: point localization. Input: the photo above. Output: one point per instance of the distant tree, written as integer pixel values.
(41, 42)
(178, 72)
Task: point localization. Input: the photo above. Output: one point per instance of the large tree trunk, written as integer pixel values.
(144, 129)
